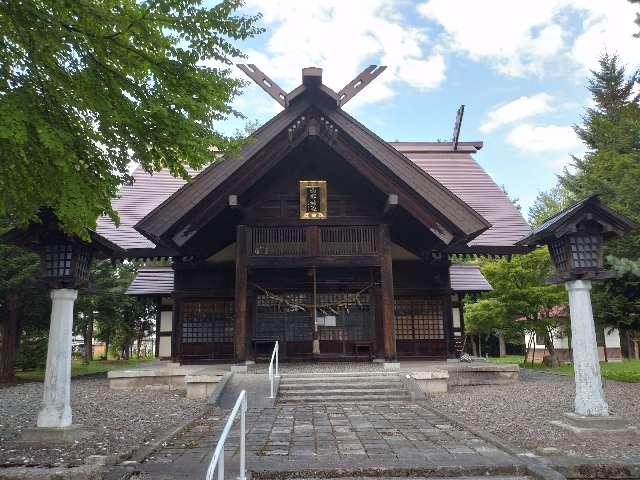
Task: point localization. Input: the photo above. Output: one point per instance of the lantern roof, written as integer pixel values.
(591, 208)
(38, 234)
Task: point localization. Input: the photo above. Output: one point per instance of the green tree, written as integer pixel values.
(18, 287)
(88, 87)
(520, 299)
(611, 167)
(548, 204)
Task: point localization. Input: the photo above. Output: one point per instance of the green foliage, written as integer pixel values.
(32, 353)
(625, 371)
(118, 319)
(87, 87)
(611, 167)
(80, 368)
(547, 204)
(484, 316)
(520, 299)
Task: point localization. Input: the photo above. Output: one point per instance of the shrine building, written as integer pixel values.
(318, 234)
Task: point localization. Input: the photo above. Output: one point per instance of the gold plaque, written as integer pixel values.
(313, 199)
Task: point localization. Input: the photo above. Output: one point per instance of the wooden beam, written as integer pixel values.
(240, 309)
(233, 202)
(356, 85)
(456, 128)
(264, 82)
(391, 203)
(386, 294)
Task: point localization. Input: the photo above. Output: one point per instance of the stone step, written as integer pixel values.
(341, 391)
(328, 385)
(398, 397)
(327, 378)
(339, 374)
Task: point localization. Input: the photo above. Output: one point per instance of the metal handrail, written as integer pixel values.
(274, 354)
(218, 455)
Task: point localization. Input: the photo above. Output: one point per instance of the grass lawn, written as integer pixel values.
(625, 371)
(79, 368)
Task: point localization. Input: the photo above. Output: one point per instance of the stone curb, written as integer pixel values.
(395, 472)
(597, 468)
(535, 466)
(83, 472)
(141, 454)
(214, 398)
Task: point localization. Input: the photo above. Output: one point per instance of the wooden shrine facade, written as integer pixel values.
(318, 234)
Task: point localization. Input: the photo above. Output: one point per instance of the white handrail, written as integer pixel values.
(218, 455)
(274, 354)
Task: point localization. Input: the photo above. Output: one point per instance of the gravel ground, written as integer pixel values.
(520, 414)
(123, 420)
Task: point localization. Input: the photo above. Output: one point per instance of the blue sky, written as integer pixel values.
(518, 66)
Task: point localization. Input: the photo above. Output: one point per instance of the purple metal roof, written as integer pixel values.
(152, 281)
(156, 281)
(134, 202)
(468, 278)
(456, 170)
(461, 174)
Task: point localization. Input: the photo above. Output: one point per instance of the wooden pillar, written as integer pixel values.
(240, 309)
(386, 294)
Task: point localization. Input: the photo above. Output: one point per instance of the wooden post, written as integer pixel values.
(240, 310)
(386, 294)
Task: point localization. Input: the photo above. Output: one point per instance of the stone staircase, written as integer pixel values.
(352, 387)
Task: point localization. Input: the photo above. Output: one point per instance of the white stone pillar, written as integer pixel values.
(56, 411)
(589, 394)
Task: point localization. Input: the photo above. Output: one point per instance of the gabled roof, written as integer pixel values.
(163, 224)
(456, 170)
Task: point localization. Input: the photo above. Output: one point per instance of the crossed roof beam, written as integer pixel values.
(349, 91)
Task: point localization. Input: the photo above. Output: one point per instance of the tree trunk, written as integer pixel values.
(550, 360)
(107, 338)
(474, 348)
(479, 345)
(9, 334)
(88, 339)
(139, 345)
(502, 345)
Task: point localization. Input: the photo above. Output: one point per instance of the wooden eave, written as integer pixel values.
(589, 208)
(178, 218)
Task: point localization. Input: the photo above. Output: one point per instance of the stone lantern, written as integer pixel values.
(65, 262)
(575, 238)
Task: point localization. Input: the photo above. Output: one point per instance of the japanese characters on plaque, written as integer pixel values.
(313, 199)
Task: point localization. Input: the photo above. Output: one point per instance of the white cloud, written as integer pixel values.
(545, 138)
(522, 38)
(342, 38)
(518, 109)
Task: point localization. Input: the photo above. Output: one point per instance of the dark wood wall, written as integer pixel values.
(275, 198)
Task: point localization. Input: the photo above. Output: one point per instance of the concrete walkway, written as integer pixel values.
(392, 439)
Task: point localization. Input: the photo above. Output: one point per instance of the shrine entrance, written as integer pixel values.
(344, 324)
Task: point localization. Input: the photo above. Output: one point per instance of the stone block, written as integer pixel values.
(595, 425)
(391, 365)
(482, 374)
(47, 436)
(201, 386)
(167, 377)
(84, 472)
(434, 381)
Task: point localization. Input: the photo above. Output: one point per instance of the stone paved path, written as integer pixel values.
(364, 438)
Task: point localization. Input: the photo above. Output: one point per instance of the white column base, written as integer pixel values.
(56, 411)
(589, 399)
